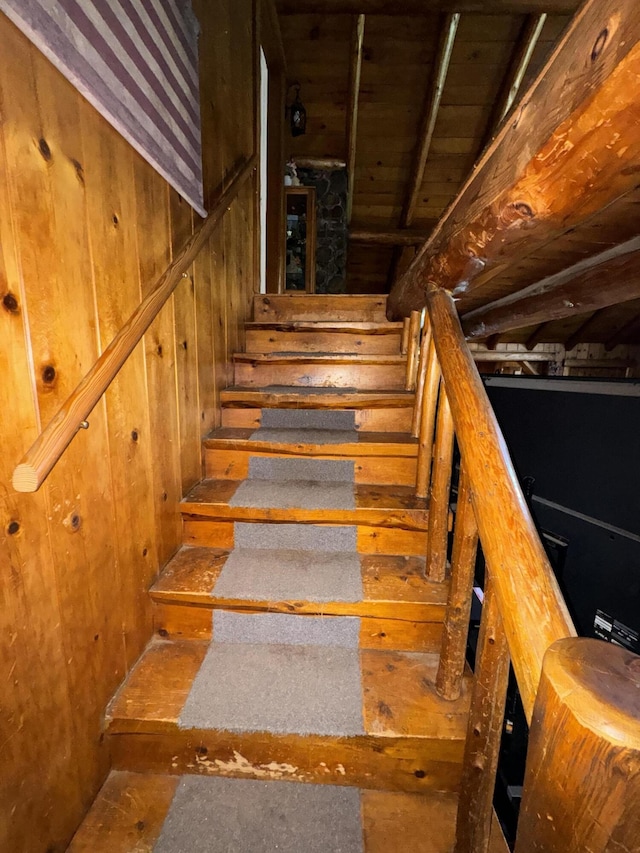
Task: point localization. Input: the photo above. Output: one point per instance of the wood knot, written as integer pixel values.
(10, 303)
(599, 44)
(115, 219)
(44, 149)
(134, 435)
(48, 374)
(419, 774)
(12, 528)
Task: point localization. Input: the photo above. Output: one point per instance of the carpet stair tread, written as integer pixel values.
(387, 506)
(130, 810)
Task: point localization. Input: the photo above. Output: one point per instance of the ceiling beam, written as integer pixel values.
(536, 336)
(520, 61)
(606, 279)
(390, 237)
(429, 116)
(569, 152)
(355, 71)
(580, 334)
(425, 7)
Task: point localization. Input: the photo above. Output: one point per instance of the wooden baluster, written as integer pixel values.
(456, 623)
(437, 538)
(404, 343)
(582, 785)
(422, 374)
(412, 350)
(475, 805)
(427, 422)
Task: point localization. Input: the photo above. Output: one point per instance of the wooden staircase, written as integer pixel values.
(321, 353)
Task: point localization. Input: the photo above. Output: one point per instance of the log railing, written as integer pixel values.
(37, 463)
(524, 618)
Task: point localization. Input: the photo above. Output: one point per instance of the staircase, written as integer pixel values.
(296, 640)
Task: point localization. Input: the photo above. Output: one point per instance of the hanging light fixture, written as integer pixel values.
(297, 114)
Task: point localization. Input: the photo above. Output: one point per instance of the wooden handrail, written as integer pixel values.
(533, 610)
(37, 463)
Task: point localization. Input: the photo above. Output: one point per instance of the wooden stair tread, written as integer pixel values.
(297, 357)
(386, 506)
(399, 699)
(130, 809)
(368, 444)
(349, 326)
(313, 398)
(393, 586)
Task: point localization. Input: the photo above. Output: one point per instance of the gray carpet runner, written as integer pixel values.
(297, 484)
(339, 419)
(279, 673)
(216, 815)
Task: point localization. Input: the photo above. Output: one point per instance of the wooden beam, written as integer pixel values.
(329, 163)
(576, 290)
(271, 37)
(564, 157)
(425, 7)
(355, 69)
(520, 60)
(580, 333)
(536, 336)
(429, 116)
(398, 237)
(493, 341)
(502, 355)
(623, 333)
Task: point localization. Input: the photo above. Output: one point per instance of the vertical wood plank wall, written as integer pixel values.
(85, 226)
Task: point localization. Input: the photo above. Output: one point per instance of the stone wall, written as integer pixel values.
(331, 225)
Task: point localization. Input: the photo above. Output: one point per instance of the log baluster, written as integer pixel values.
(437, 539)
(475, 805)
(456, 623)
(422, 375)
(427, 422)
(412, 350)
(404, 342)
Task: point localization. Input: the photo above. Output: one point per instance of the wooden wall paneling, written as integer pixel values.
(154, 255)
(111, 220)
(44, 156)
(184, 309)
(33, 805)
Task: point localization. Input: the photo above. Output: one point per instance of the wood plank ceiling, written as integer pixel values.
(434, 86)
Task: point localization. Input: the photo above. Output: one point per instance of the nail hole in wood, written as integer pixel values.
(144, 552)
(115, 219)
(134, 435)
(76, 521)
(419, 774)
(13, 528)
(599, 44)
(159, 350)
(202, 751)
(10, 303)
(48, 374)
(140, 825)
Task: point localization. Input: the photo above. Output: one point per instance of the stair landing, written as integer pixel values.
(130, 810)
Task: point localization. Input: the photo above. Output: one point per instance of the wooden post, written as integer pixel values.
(422, 375)
(582, 783)
(484, 730)
(404, 344)
(456, 623)
(440, 491)
(412, 350)
(427, 423)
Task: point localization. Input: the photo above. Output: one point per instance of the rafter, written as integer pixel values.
(520, 60)
(566, 155)
(429, 117)
(623, 333)
(534, 339)
(355, 70)
(390, 237)
(583, 330)
(576, 290)
(425, 7)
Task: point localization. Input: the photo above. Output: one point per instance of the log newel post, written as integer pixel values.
(582, 782)
(475, 806)
(437, 538)
(427, 422)
(456, 623)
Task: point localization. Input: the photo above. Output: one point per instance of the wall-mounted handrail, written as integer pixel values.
(41, 457)
(533, 610)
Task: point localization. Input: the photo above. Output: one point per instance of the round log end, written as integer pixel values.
(25, 478)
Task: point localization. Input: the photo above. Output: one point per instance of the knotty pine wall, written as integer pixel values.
(85, 227)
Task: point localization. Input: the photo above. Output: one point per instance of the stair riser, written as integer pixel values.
(378, 470)
(292, 307)
(371, 539)
(175, 621)
(392, 419)
(389, 763)
(266, 341)
(364, 377)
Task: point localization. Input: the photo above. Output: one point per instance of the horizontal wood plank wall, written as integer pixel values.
(85, 226)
